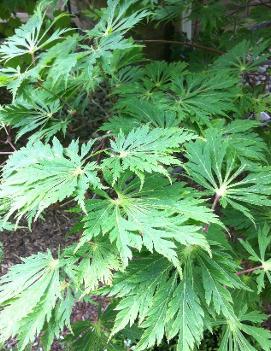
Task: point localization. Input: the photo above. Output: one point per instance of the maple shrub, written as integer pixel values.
(169, 186)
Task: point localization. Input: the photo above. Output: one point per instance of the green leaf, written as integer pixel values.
(263, 257)
(243, 142)
(30, 38)
(188, 316)
(29, 293)
(192, 96)
(211, 165)
(96, 267)
(2, 254)
(216, 273)
(94, 336)
(243, 57)
(202, 95)
(38, 112)
(109, 32)
(236, 334)
(136, 113)
(61, 316)
(152, 293)
(137, 287)
(145, 150)
(115, 21)
(40, 175)
(15, 78)
(126, 218)
(4, 224)
(154, 324)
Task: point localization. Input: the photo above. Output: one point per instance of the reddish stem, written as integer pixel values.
(215, 202)
(249, 270)
(8, 141)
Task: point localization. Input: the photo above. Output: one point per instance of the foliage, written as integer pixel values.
(213, 168)
(34, 288)
(171, 182)
(145, 151)
(58, 173)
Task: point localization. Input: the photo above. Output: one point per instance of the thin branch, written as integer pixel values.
(8, 140)
(66, 203)
(100, 107)
(98, 152)
(6, 152)
(100, 149)
(107, 135)
(214, 204)
(249, 270)
(185, 43)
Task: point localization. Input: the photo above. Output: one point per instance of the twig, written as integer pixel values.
(249, 270)
(100, 107)
(100, 149)
(66, 203)
(6, 152)
(8, 140)
(214, 204)
(185, 43)
(107, 135)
